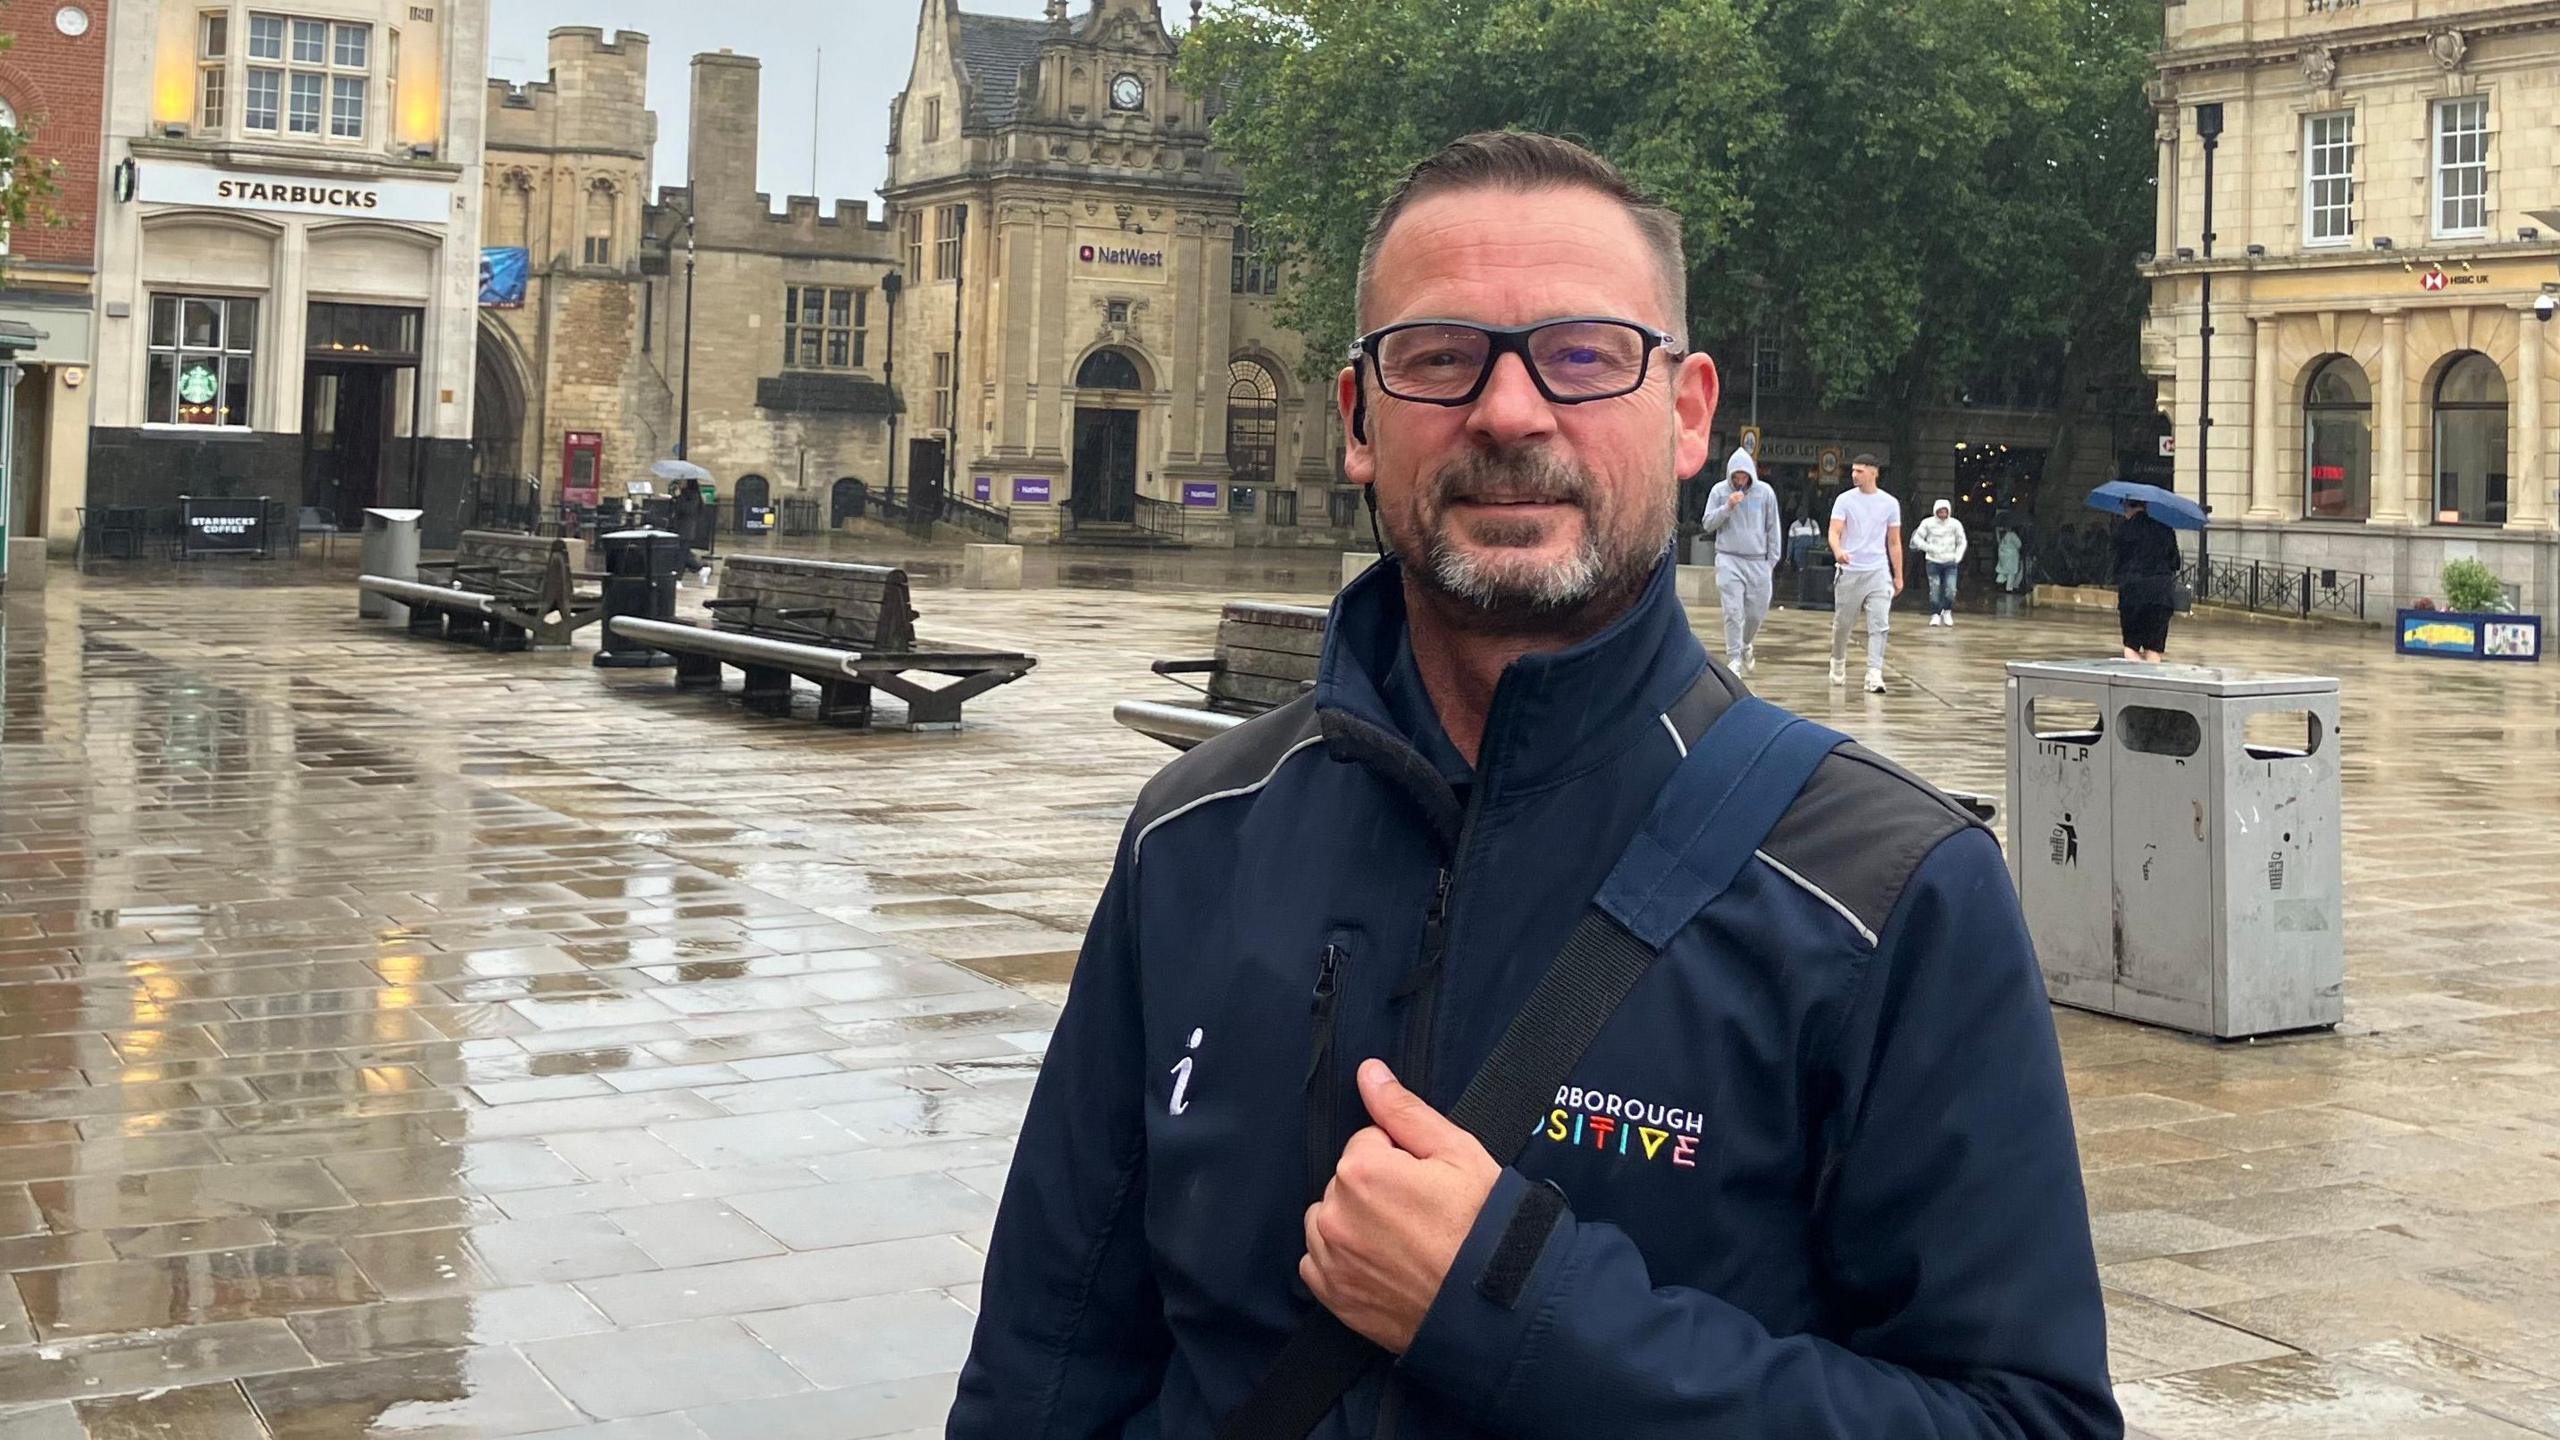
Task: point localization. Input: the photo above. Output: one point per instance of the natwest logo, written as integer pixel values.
(1119, 255)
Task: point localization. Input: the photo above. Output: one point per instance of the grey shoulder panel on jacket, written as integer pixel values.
(1232, 765)
(1859, 830)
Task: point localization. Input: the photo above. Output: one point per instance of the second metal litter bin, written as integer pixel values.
(2172, 869)
(390, 550)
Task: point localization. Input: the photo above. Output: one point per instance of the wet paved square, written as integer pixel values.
(397, 1039)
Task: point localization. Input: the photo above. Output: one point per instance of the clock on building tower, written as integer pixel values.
(1128, 92)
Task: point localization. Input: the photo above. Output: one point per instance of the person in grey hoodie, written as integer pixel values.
(1942, 543)
(1743, 516)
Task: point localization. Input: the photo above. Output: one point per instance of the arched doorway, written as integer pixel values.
(497, 410)
(844, 502)
(2471, 442)
(2337, 442)
(1105, 477)
(754, 496)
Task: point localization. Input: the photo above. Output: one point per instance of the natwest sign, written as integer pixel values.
(1120, 255)
(177, 182)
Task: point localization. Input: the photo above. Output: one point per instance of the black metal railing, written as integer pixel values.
(501, 502)
(1159, 517)
(2273, 587)
(985, 521)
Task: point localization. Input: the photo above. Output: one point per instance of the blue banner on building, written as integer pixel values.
(502, 272)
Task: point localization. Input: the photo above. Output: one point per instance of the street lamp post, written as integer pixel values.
(2209, 130)
(890, 285)
(684, 401)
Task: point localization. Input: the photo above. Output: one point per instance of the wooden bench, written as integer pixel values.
(1267, 657)
(848, 628)
(500, 589)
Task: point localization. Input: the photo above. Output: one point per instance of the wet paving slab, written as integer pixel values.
(398, 1039)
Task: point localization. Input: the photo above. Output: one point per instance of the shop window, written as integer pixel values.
(2329, 178)
(2462, 166)
(948, 223)
(2471, 443)
(2337, 439)
(823, 327)
(203, 360)
(1253, 422)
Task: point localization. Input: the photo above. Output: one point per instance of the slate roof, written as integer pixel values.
(995, 51)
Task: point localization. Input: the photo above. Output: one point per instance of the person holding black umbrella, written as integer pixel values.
(2146, 582)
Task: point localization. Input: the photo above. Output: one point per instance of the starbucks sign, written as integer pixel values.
(198, 385)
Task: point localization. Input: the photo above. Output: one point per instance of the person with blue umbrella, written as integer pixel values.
(2147, 560)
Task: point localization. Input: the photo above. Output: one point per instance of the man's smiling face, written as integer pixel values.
(1527, 510)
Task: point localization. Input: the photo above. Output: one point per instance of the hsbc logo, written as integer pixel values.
(2440, 278)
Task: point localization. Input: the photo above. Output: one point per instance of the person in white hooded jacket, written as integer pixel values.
(1940, 541)
(1742, 514)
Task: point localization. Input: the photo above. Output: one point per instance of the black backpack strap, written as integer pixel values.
(1708, 822)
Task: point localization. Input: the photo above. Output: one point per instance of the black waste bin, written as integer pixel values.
(1814, 581)
(640, 569)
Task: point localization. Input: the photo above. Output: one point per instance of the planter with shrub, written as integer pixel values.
(2474, 623)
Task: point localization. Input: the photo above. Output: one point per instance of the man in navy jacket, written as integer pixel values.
(1815, 1178)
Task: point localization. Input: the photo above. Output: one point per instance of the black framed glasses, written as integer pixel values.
(1572, 361)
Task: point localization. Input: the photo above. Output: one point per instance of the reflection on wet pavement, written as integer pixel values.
(402, 1040)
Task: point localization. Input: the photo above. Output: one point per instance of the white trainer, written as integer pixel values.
(1875, 682)
(706, 574)
(1750, 658)
(1936, 620)
(1839, 672)
(1951, 619)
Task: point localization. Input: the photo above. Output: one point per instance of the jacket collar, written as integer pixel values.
(1554, 714)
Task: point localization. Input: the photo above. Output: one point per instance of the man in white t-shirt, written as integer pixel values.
(1866, 543)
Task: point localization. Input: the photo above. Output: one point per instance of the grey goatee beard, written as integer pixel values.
(1616, 555)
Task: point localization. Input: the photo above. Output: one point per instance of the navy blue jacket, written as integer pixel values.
(1819, 1167)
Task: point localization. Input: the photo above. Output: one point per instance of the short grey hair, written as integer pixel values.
(1520, 161)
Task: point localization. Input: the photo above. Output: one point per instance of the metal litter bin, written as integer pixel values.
(2174, 869)
(639, 580)
(390, 550)
(1815, 580)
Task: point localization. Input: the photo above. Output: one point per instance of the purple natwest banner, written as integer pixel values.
(1196, 494)
(1030, 489)
(983, 489)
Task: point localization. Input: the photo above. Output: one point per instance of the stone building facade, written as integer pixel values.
(567, 390)
(1085, 337)
(53, 83)
(700, 325)
(2386, 191)
(289, 256)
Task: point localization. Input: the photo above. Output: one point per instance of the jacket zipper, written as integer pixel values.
(1321, 1086)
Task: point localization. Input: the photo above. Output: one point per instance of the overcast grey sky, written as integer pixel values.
(868, 45)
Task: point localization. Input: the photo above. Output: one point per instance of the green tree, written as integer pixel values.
(26, 181)
(1326, 103)
(1926, 194)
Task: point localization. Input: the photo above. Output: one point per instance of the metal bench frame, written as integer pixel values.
(505, 607)
(770, 644)
(1183, 726)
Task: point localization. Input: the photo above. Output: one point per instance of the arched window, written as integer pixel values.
(599, 224)
(2471, 443)
(1253, 423)
(1108, 370)
(2337, 440)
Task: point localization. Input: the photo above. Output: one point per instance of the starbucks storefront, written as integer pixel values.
(285, 336)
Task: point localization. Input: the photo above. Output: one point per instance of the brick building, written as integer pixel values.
(53, 87)
(2382, 390)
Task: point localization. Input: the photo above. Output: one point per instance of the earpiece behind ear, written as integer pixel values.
(1377, 537)
(1359, 406)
